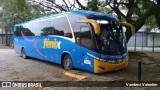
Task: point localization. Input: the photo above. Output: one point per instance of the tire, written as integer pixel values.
(24, 54)
(67, 62)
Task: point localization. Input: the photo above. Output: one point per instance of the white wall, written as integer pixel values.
(156, 40)
(0, 31)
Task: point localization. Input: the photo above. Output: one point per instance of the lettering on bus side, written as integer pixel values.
(47, 43)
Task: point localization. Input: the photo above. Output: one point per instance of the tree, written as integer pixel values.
(93, 5)
(16, 11)
(138, 11)
(57, 6)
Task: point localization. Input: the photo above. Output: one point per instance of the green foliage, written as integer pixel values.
(136, 12)
(104, 9)
(151, 21)
(16, 11)
(93, 5)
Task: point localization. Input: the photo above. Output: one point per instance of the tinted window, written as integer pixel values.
(34, 27)
(76, 25)
(82, 31)
(17, 31)
(25, 31)
(30, 29)
(58, 26)
(86, 37)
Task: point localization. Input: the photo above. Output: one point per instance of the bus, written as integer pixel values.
(80, 39)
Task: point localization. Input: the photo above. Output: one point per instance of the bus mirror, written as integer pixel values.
(95, 25)
(125, 24)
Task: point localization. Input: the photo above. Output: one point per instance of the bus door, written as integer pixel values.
(87, 46)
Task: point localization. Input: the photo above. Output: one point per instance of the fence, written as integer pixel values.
(6, 40)
(141, 41)
(144, 42)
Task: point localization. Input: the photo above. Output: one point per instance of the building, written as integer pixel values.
(5, 40)
(145, 40)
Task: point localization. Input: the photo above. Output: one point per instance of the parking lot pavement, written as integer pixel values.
(14, 68)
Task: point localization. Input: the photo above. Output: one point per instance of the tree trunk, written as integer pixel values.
(137, 27)
(128, 34)
(2, 37)
(6, 37)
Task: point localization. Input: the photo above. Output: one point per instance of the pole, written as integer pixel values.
(153, 41)
(142, 41)
(2, 37)
(139, 71)
(135, 43)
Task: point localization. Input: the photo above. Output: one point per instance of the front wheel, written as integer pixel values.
(24, 54)
(67, 62)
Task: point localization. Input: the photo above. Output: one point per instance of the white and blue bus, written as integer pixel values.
(79, 39)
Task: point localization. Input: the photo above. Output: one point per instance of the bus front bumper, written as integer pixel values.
(102, 67)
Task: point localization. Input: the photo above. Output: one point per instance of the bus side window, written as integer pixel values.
(86, 37)
(73, 18)
(17, 31)
(24, 30)
(61, 27)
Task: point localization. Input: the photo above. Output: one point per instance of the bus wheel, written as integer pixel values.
(67, 62)
(24, 54)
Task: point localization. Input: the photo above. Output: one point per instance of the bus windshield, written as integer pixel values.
(111, 40)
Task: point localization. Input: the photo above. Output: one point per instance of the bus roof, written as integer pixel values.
(94, 15)
(88, 14)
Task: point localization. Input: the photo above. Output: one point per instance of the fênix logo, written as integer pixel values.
(47, 43)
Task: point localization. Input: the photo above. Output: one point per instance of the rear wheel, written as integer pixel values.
(24, 54)
(67, 62)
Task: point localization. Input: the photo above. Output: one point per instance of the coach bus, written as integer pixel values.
(85, 40)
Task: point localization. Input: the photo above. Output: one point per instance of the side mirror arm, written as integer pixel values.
(129, 25)
(95, 25)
